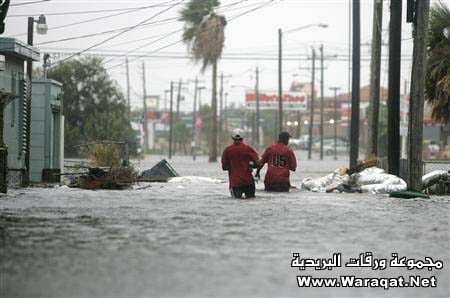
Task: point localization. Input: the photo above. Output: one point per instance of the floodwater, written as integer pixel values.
(188, 238)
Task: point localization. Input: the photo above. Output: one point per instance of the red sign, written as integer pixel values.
(268, 100)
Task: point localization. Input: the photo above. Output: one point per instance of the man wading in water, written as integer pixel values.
(238, 159)
(280, 160)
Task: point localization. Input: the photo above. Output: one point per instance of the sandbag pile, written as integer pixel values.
(437, 182)
(372, 180)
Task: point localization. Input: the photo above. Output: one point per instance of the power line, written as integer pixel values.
(95, 19)
(181, 40)
(145, 24)
(226, 57)
(163, 37)
(25, 3)
(82, 12)
(122, 32)
(147, 44)
(102, 33)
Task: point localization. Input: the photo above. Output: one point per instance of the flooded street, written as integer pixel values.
(188, 238)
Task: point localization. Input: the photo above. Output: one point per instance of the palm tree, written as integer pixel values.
(204, 36)
(438, 72)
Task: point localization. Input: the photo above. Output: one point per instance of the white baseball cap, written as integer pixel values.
(238, 134)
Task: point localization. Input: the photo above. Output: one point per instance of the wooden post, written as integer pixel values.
(375, 63)
(354, 126)
(395, 46)
(280, 83)
(415, 129)
(313, 95)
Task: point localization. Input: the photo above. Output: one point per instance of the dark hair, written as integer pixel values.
(283, 137)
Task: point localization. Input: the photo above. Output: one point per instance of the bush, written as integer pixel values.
(105, 155)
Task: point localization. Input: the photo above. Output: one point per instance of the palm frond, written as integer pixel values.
(438, 64)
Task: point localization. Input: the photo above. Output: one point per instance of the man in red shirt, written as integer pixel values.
(238, 159)
(280, 160)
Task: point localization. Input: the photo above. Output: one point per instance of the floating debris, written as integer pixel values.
(161, 172)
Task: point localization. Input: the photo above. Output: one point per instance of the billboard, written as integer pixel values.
(268, 100)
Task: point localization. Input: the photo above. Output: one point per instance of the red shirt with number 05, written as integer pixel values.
(280, 160)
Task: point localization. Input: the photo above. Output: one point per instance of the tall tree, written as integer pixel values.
(438, 70)
(94, 107)
(204, 34)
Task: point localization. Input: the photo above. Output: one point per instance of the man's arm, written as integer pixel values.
(262, 161)
(292, 161)
(225, 161)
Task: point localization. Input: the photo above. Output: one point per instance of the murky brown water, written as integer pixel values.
(190, 239)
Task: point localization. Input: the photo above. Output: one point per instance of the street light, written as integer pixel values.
(41, 28)
(280, 72)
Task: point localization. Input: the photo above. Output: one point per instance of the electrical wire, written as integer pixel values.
(122, 32)
(94, 19)
(102, 33)
(26, 3)
(179, 41)
(82, 12)
(167, 20)
(163, 37)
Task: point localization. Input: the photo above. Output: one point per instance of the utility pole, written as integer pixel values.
(145, 123)
(349, 77)
(194, 117)
(29, 87)
(335, 89)
(128, 87)
(395, 47)
(311, 122)
(221, 111)
(321, 102)
(165, 99)
(257, 107)
(415, 129)
(213, 131)
(375, 64)
(178, 99)
(280, 83)
(171, 121)
(225, 112)
(354, 127)
(221, 93)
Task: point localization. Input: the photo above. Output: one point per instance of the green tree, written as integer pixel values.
(204, 34)
(438, 72)
(94, 106)
(182, 134)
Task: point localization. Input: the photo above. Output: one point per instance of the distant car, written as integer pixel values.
(295, 143)
(316, 144)
(301, 143)
(341, 147)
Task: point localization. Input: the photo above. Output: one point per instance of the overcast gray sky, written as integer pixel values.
(251, 40)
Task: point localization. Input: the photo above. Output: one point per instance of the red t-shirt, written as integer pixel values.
(280, 160)
(235, 159)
